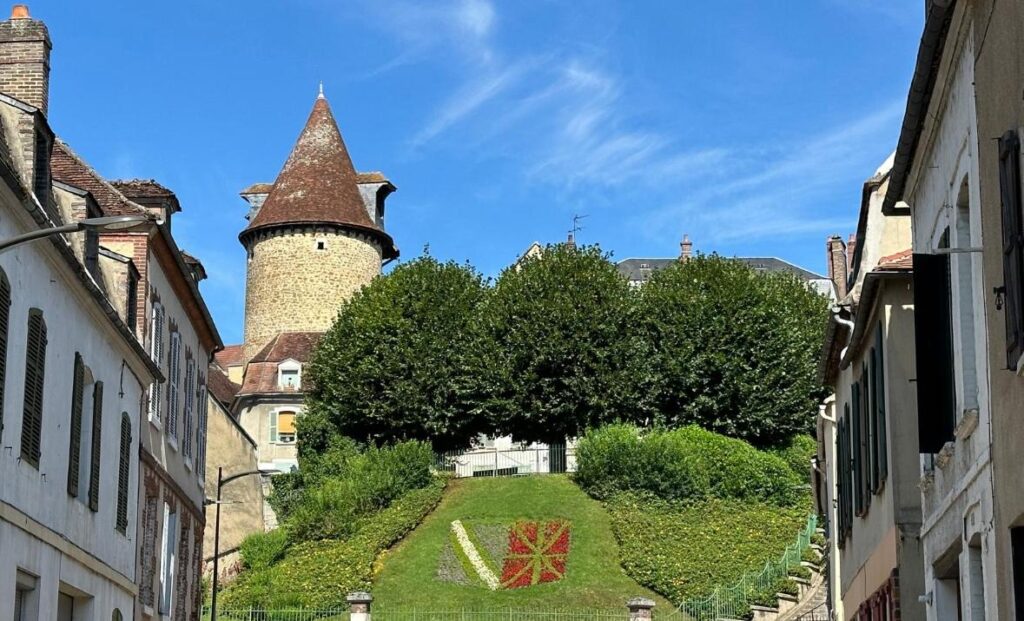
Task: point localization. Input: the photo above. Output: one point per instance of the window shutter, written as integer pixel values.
(5, 317)
(35, 371)
(1013, 245)
(883, 430)
(933, 330)
(123, 472)
(97, 431)
(858, 479)
(1017, 562)
(870, 408)
(273, 426)
(75, 446)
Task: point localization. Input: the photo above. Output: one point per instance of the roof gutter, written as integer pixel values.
(929, 55)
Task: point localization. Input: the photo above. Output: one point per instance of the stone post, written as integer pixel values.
(359, 606)
(640, 609)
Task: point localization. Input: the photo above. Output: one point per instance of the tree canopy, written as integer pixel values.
(401, 362)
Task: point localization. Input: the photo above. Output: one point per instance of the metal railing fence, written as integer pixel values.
(734, 601)
(417, 614)
(280, 614)
(489, 462)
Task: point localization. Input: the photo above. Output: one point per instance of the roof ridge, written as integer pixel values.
(99, 178)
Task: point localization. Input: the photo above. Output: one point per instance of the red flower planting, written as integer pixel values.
(536, 553)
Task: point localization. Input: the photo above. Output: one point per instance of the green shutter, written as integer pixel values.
(35, 373)
(883, 444)
(97, 431)
(870, 411)
(5, 317)
(75, 444)
(123, 472)
(273, 426)
(858, 479)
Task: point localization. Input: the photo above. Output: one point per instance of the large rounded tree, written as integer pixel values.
(401, 362)
(732, 349)
(558, 342)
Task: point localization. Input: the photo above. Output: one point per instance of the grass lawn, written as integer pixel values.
(407, 576)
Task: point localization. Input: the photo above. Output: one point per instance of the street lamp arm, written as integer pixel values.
(27, 237)
(239, 475)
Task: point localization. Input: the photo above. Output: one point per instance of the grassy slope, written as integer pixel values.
(594, 577)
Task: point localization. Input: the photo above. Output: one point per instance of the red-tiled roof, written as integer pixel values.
(903, 260)
(318, 184)
(222, 389)
(230, 356)
(288, 345)
(141, 187)
(373, 176)
(68, 168)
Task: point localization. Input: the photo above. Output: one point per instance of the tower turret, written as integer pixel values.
(314, 241)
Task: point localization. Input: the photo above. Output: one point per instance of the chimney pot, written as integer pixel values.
(20, 11)
(685, 248)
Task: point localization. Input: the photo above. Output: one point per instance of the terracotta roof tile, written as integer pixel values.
(68, 168)
(374, 176)
(230, 356)
(261, 377)
(903, 260)
(222, 389)
(257, 188)
(288, 345)
(318, 184)
(141, 187)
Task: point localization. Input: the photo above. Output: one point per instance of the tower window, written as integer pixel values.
(321, 244)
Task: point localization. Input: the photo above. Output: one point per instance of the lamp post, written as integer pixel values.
(105, 223)
(221, 482)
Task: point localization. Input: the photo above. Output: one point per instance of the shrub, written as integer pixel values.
(797, 453)
(687, 550)
(349, 485)
(682, 464)
(319, 574)
(261, 550)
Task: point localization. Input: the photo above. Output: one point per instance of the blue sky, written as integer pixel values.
(748, 125)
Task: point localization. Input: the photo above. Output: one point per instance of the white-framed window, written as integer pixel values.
(156, 351)
(282, 426)
(173, 385)
(289, 375)
(190, 398)
(26, 597)
(168, 547)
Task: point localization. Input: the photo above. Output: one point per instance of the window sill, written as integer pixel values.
(173, 443)
(968, 423)
(188, 464)
(945, 456)
(147, 611)
(155, 422)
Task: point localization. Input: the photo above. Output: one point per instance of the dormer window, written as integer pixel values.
(289, 375)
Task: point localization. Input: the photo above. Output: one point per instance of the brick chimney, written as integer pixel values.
(25, 58)
(851, 253)
(835, 257)
(685, 249)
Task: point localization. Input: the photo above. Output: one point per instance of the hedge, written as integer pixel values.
(689, 463)
(319, 574)
(797, 453)
(686, 550)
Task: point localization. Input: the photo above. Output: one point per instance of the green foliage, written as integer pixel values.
(689, 463)
(319, 574)
(261, 550)
(687, 550)
(797, 453)
(561, 354)
(345, 485)
(731, 349)
(401, 362)
(800, 572)
(819, 540)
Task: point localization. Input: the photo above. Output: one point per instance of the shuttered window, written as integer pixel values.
(190, 389)
(1017, 552)
(204, 400)
(156, 350)
(173, 383)
(867, 380)
(879, 391)
(1013, 245)
(94, 455)
(841, 471)
(123, 472)
(35, 373)
(933, 331)
(858, 479)
(75, 445)
(5, 320)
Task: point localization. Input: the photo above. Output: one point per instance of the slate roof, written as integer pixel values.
(318, 184)
(634, 269)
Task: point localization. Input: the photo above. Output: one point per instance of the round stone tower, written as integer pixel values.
(316, 239)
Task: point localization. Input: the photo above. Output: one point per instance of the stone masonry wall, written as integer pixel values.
(291, 286)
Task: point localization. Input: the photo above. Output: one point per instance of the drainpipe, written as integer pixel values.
(843, 322)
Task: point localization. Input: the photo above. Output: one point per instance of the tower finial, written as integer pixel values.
(321, 95)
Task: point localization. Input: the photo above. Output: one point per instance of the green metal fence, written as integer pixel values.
(734, 601)
(416, 614)
(280, 614)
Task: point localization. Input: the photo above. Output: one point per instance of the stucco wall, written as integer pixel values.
(242, 511)
(254, 416)
(293, 287)
(957, 490)
(999, 82)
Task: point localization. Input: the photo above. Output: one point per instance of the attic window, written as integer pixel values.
(321, 244)
(644, 266)
(289, 375)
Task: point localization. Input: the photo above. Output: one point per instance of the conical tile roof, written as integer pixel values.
(318, 184)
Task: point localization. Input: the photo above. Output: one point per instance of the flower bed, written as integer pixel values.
(536, 553)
